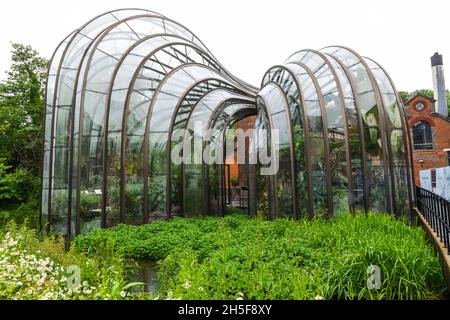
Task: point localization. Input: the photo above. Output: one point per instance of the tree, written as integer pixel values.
(408, 95)
(404, 95)
(22, 109)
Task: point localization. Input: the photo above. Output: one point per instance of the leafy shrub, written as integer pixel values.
(88, 202)
(18, 185)
(134, 198)
(157, 192)
(26, 213)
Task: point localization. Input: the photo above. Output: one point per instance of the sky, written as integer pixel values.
(248, 36)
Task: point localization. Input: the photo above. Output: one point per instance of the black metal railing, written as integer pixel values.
(436, 211)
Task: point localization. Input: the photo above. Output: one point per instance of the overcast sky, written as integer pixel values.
(248, 37)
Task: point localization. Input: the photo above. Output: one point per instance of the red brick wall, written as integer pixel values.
(441, 136)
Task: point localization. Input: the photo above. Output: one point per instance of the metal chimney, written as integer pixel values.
(437, 68)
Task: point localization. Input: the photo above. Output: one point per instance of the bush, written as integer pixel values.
(18, 185)
(236, 257)
(26, 213)
(19, 196)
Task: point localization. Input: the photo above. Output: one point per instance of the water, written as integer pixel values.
(147, 274)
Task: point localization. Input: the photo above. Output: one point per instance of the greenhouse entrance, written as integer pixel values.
(212, 188)
(238, 177)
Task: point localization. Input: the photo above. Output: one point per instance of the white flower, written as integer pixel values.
(239, 298)
(187, 284)
(123, 294)
(318, 297)
(200, 288)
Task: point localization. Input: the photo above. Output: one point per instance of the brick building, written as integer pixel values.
(430, 133)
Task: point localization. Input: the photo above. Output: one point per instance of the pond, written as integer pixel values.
(146, 273)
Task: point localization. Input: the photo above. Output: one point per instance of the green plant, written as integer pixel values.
(134, 193)
(234, 181)
(88, 202)
(59, 204)
(24, 214)
(21, 109)
(237, 257)
(157, 192)
(16, 185)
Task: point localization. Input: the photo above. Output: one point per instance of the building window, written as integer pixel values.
(448, 158)
(420, 106)
(422, 136)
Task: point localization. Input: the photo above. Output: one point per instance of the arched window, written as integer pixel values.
(422, 136)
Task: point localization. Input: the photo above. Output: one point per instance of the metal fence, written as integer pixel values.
(436, 210)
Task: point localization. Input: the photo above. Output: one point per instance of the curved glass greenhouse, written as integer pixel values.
(121, 86)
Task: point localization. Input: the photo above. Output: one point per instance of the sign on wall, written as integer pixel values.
(425, 180)
(440, 182)
(446, 192)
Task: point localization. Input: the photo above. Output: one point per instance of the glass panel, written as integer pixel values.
(371, 122)
(69, 76)
(316, 139)
(291, 90)
(334, 110)
(277, 108)
(50, 95)
(264, 183)
(395, 136)
(95, 96)
(197, 124)
(353, 134)
(103, 61)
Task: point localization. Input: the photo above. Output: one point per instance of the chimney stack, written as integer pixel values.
(437, 68)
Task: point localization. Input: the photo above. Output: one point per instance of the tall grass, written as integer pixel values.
(237, 257)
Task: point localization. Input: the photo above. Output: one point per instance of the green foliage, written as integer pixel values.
(17, 186)
(157, 192)
(134, 198)
(235, 211)
(405, 96)
(236, 257)
(26, 214)
(19, 196)
(88, 202)
(22, 108)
